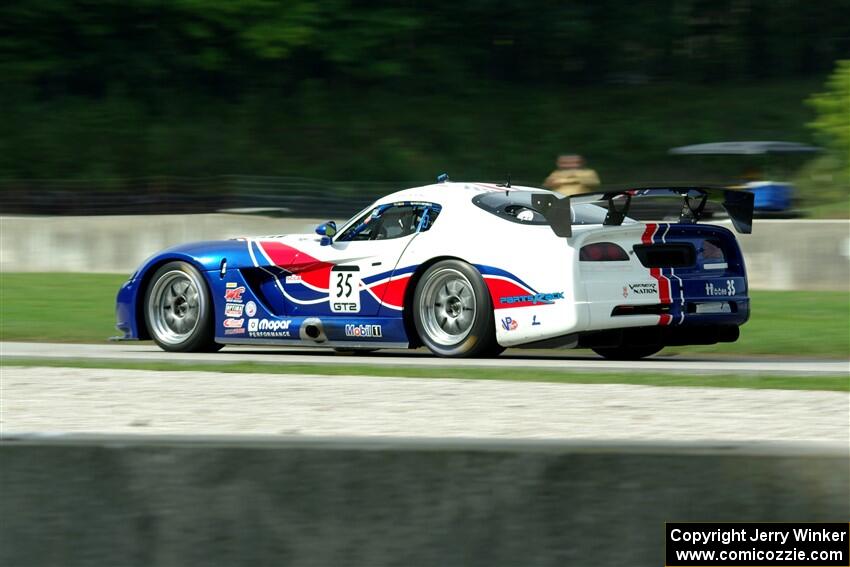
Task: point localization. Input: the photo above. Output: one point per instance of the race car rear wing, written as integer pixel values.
(738, 204)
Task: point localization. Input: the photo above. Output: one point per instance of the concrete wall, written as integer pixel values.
(163, 502)
(784, 254)
(780, 254)
(119, 243)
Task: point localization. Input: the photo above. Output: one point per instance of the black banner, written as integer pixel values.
(757, 544)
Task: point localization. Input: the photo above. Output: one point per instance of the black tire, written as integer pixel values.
(627, 352)
(178, 309)
(465, 308)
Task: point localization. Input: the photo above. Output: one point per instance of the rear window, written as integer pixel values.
(515, 206)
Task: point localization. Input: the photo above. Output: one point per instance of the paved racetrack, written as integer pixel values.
(582, 360)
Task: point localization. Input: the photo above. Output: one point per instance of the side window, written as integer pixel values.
(386, 222)
(365, 227)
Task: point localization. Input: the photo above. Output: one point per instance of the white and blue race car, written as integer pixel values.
(465, 269)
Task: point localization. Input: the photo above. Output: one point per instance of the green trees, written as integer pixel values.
(116, 88)
(825, 181)
(833, 111)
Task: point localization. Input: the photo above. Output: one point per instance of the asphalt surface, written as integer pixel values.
(584, 361)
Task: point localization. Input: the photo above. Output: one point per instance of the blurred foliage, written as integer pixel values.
(828, 177)
(833, 110)
(359, 133)
(93, 46)
(361, 89)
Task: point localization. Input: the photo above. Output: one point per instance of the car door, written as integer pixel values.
(342, 277)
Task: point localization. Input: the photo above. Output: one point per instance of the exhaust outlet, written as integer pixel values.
(313, 330)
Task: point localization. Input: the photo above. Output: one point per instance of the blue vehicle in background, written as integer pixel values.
(772, 198)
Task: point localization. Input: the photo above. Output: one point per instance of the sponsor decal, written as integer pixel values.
(234, 331)
(274, 324)
(250, 309)
(625, 291)
(363, 331)
(233, 310)
(534, 321)
(293, 278)
(641, 289)
(544, 298)
(509, 324)
(233, 323)
(229, 285)
(710, 289)
(234, 294)
(269, 328)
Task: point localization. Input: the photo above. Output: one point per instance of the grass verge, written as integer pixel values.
(751, 381)
(80, 308)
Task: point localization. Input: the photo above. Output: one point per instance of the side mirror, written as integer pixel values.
(326, 229)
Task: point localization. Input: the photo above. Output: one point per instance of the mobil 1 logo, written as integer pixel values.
(345, 289)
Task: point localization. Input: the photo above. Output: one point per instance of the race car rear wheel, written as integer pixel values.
(178, 309)
(627, 352)
(452, 311)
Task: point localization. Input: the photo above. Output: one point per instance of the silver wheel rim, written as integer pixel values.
(447, 307)
(175, 307)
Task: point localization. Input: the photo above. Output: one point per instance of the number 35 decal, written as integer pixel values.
(343, 285)
(345, 289)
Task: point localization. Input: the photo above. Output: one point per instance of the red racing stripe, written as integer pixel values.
(500, 288)
(647, 234)
(312, 270)
(391, 292)
(655, 273)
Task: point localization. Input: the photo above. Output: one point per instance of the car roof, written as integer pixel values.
(450, 192)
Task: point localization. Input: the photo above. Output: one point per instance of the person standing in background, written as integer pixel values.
(571, 177)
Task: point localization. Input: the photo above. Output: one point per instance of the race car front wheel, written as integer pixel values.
(178, 309)
(452, 311)
(627, 352)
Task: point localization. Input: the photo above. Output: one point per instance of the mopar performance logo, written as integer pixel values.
(269, 327)
(363, 331)
(272, 325)
(536, 298)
